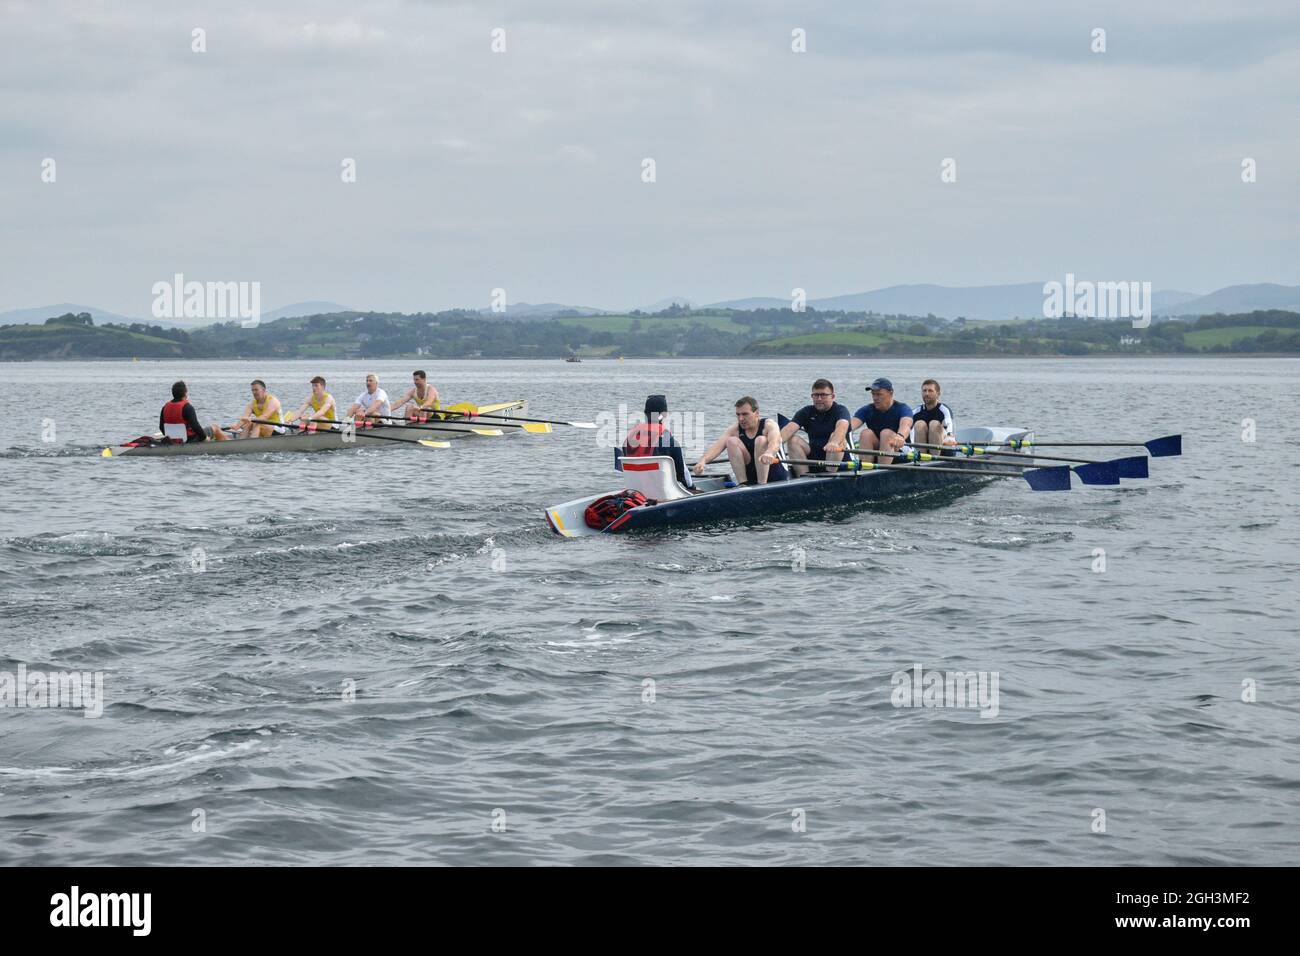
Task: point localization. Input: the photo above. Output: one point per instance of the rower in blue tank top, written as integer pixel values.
(746, 443)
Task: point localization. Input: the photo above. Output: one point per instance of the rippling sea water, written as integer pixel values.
(501, 711)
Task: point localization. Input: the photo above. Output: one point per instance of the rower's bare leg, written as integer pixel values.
(739, 457)
(760, 466)
(867, 442)
(798, 449)
(218, 434)
(888, 441)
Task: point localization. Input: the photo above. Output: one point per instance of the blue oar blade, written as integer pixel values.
(1135, 467)
(1048, 479)
(1165, 447)
(1100, 473)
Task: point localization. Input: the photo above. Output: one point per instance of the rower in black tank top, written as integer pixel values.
(774, 472)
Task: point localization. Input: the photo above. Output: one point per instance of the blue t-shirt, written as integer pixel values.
(878, 421)
(820, 426)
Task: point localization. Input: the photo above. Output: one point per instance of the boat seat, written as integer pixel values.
(655, 476)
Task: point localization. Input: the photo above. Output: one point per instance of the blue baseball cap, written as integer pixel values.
(880, 383)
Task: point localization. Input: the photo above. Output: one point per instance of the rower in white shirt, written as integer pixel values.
(373, 401)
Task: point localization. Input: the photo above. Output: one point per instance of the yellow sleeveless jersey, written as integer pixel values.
(318, 405)
(259, 411)
(428, 403)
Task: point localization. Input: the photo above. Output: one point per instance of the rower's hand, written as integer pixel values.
(834, 446)
(767, 458)
(698, 468)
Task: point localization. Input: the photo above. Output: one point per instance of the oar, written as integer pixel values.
(1090, 472)
(1039, 479)
(493, 431)
(357, 433)
(510, 418)
(1166, 447)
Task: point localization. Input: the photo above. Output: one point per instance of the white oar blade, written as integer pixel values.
(488, 432)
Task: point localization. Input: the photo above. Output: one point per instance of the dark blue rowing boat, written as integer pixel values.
(720, 501)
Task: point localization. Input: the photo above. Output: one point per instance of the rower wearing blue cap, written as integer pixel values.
(885, 423)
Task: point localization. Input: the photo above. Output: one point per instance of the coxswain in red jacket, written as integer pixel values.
(179, 422)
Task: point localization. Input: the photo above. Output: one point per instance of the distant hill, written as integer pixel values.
(40, 313)
(668, 303)
(542, 310)
(1239, 298)
(303, 308)
(746, 305)
(972, 302)
(1000, 302)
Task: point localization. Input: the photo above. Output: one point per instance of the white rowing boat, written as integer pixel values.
(387, 436)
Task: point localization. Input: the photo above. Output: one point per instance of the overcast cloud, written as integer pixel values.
(522, 170)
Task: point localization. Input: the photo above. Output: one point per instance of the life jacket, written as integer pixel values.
(173, 413)
(644, 437)
(604, 511)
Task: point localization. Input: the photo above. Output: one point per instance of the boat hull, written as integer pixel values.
(329, 441)
(799, 497)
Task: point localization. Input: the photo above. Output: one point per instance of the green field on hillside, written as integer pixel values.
(1208, 338)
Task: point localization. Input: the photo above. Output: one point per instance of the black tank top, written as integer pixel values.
(774, 472)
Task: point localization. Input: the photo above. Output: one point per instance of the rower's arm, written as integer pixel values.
(773, 435)
(246, 416)
(838, 435)
(715, 449)
(905, 428)
(324, 409)
(789, 431)
(405, 400)
(192, 419)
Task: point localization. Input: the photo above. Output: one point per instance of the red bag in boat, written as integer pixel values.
(602, 511)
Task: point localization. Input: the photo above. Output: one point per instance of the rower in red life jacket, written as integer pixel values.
(179, 423)
(644, 438)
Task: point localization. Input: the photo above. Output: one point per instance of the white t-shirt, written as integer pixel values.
(365, 399)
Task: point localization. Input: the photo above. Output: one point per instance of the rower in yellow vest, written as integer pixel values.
(421, 396)
(265, 407)
(319, 406)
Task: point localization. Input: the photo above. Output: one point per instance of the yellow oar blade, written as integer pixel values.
(537, 428)
(106, 453)
(434, 444)
(487, 432)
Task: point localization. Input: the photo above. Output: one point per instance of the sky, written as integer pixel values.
(522, 170)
